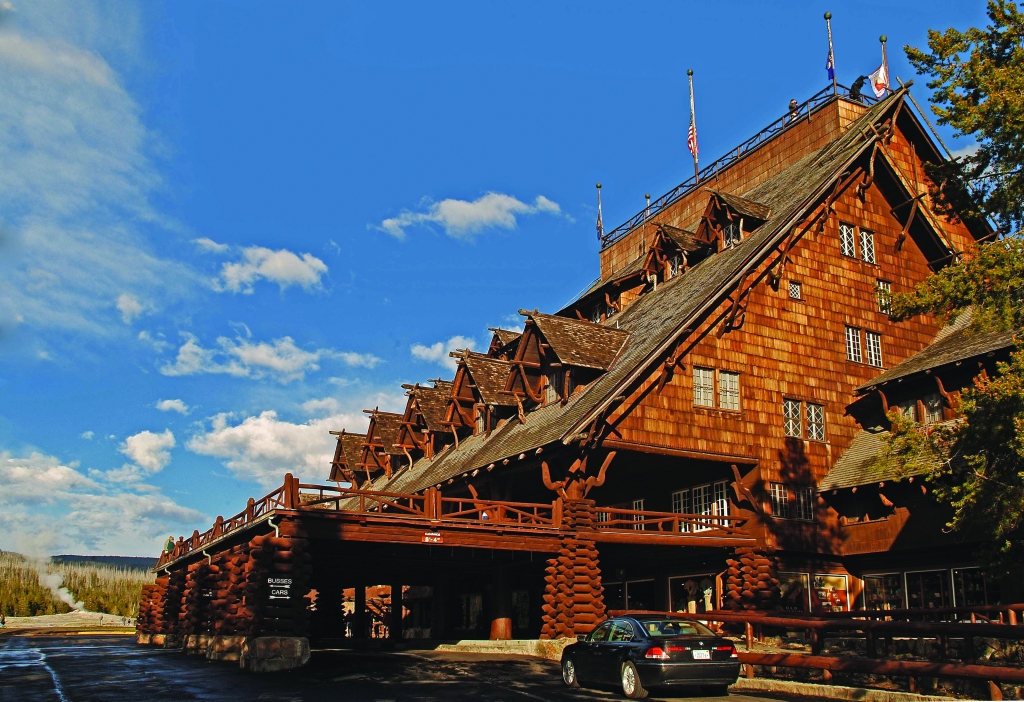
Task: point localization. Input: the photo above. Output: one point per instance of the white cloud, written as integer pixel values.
(240, 357)
(325, 406)
(462, 219)
(966, 150)
(87, 435)
(47, 506)
(148, 450)
(77, 176)
(282, 267)
(438, 351)
(158, 342)
(209, 245)
(173, 406)
(129, 307)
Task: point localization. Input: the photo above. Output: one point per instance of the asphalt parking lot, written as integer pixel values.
(65, 668)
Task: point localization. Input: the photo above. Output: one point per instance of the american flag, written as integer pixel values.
(691, 137)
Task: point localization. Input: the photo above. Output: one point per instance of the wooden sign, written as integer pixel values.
(280, 588)
(433, 537)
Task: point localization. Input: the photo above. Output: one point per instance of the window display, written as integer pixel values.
(883, 591)
(693, 593)
(830, 594)
(640, 594)
(794, 591)
(928, 589)
(972, 587)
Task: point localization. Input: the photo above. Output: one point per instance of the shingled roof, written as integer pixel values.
(866, 462)
(505, 336)
(431, 403)
(658, 318)
(489, 376)
(955, 343)
(579, 343)
(386, 426)
(351, 451)
(743, 206)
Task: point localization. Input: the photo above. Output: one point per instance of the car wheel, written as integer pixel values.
(569, 676)
(631, 685)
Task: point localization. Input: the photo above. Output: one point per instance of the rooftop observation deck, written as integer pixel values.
(431, 518)
(804, 112)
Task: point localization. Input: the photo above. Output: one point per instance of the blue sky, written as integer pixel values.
(226, 228)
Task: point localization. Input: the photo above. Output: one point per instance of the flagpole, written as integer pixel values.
(831, 52)
(600, 220)
(885, 61)
(693, 123)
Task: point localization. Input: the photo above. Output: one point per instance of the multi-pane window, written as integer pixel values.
(721, 504)
(802, 502)
(732, 234)
(908, 409)
(853, 352)
(729, 390)
(883, 288)
(791, 417)
(709, 500)
(553, 391)
(704, 387)
(675, 265)
(638, 505)
(874, 347)
(815, 422)
(867, 246)
(932, 408)
(780, 500)
(848, 240)
(795, 291)
(681, 502)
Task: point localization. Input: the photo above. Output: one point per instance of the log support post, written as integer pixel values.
(501, 604)
(573, 595)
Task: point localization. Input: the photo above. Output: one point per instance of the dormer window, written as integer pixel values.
(481, 423)
(553, 389)
(731, 234)
(675, 264)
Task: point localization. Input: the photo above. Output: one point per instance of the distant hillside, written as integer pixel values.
(125, 562)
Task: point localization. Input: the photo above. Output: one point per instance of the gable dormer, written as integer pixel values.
(728, 219)
(346, 458)
(379, 452)
(478, 400)
(557, 355)
(503, 343)
(670, 253)
(423, 432)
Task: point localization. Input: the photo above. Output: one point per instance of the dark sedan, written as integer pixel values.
(639, 652)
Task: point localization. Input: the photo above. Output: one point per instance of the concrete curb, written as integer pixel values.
(539, 648)
(833, 692)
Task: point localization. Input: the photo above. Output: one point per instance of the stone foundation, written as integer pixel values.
(143, 639)
(225, 648)
(158, 639)
(269, 654)
(170, 641)
(196, 644)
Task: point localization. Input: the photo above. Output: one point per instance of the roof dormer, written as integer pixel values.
(379, 452)
(503, 343)
(346, 457)
(557, 354)
(478, 399)
(728, 219)
(422, 431)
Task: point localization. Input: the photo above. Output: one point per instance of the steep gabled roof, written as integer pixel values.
(657, 319)
(865, 462)
(743, 206)
(489, 376)
(505, 336)
(384, 427)
(347, 454)
(579, 343)
(431, 402)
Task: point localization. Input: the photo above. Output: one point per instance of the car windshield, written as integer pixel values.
(669, 628)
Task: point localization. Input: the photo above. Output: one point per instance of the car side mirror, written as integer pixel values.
(581, 637)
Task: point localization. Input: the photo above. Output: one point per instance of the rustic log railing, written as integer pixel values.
(802, 112)
(754, 621)
(432, 507)
(615, 518)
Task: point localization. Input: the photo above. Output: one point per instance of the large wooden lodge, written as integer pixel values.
(703, 427)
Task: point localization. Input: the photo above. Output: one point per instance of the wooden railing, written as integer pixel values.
(614, 518)
(802, 112)
(431, 506)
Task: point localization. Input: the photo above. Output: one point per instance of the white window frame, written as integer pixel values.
(883, 289)
(929, 417)
(803, 501)
(792, 424)
(796, 290)
(681, 504)
(732, 235)
(853, 347)
(867, 246)
(779, 494)
(873, 344)
(638, 505)
(815, 425)
(703, 394)
(729, 391)
(864, 589)
(848, 240)
(675, 264)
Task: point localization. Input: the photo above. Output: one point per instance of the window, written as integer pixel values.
(803, 501)
(780, 500)
(721, 504)
(704, 387)
(681, 502)
(638, 505)
(791, 417)
(794, 290)
(729, 390)
(701, 503)
(932, 408)
(711, 499)
(480, 421)
(848, 240)
(867, 246)
(874, 344)
(883, 288)
(553, 391)
(908, 409)
(815, 422)
(597, 314)
(731, 234)
(675, 265)
(853, 345)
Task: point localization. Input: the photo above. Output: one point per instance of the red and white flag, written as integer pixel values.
(879, 81)
(691, 137)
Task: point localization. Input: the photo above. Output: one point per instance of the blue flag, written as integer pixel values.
(830, 65)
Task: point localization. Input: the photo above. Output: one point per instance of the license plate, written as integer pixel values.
(702, 655)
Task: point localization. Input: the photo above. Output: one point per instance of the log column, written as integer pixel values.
(501, 604)
(573, 594)
(752, 581)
